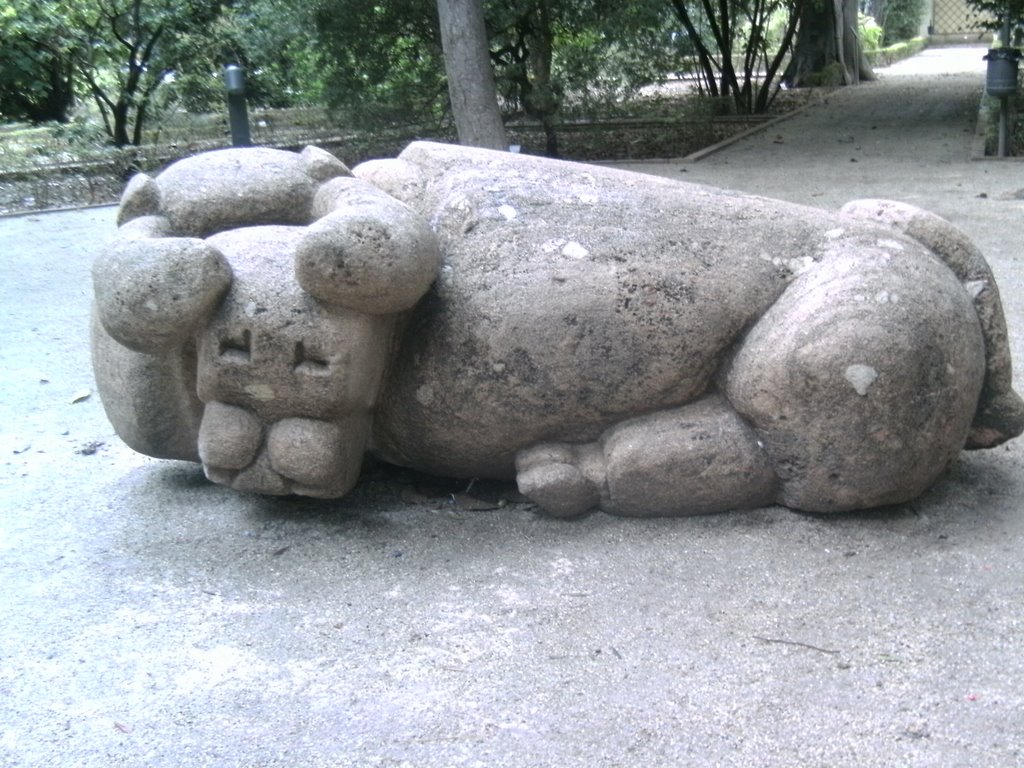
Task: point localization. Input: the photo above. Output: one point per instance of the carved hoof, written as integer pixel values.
(549, 477)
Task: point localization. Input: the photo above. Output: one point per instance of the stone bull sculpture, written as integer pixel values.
(608, 339)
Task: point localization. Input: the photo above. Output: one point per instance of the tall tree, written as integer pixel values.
(134, 47)
(730, 32)
(276, 40)
(383, 61)
(467, 63)
(827, 50)
(37, 73)
(523, 49)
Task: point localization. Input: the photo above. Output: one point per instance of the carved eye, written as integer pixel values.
(236, 348)
(307, 362)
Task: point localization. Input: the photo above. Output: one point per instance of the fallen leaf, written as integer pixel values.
(88, 449)
(473, 504)
(81, 396)
(412, 496)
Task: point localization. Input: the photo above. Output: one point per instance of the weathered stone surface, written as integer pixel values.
(609, 339)
(999, 404)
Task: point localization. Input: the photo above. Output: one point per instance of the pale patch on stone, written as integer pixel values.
(796, 266)
(425, 394)
(832, 234)
(574, 250)
(507, 212)
(975, 287)
(861, 377)
(894, 245)
(260, 391)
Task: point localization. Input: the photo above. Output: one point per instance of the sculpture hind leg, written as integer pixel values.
(1000, 413)
(696, 459)
(863, 379)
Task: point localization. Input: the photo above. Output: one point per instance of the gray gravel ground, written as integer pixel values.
(151, 619)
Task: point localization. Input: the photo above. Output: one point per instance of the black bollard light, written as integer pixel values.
(238, 115)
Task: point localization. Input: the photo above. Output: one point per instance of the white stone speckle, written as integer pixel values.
(425, 394)
(796, 266)
(832, 234)
(507, 212)
(975, 287)
(861, 377)
(894, 245)
(262, 392)
(574, 250)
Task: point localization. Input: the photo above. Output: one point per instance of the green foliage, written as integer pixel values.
(36, 71)
(118, 51)
(901, 19)
(137, 57)
(996, 11)
(276, 41)
(377, 64)
(603, 53)
(869, 32)
(739, 46)
(382, 62)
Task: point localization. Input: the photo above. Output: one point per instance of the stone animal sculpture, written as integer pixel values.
(608, 339)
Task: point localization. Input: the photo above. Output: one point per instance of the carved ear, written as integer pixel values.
(370, 253)
(321, 165)
(399, 178)
(140, 198)
(152, 294)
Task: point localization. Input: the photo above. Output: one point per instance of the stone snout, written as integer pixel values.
(288, 381)
(247, 323)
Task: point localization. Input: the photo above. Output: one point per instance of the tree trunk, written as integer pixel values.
(828, 51)
(60, 97)
(470, 78)
(541, 100)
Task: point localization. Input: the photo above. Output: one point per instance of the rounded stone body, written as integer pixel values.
(606, 338)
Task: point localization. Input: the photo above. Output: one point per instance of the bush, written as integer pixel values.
(870, 33)
(901, 20)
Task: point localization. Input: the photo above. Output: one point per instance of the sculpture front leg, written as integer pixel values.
(565, 480)
(696, 459)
